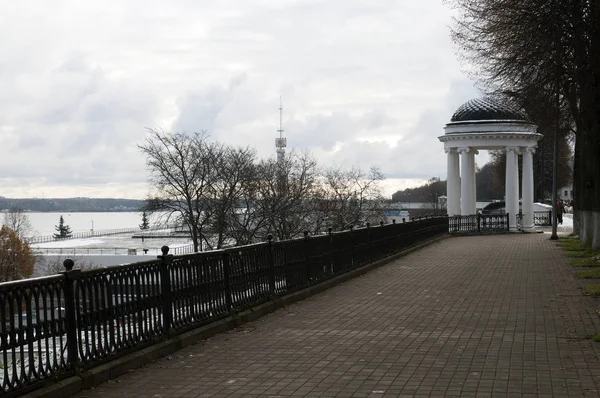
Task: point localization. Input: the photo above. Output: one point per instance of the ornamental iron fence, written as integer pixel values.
(492, 223)
(52, 327)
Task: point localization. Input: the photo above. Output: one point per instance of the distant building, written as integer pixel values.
(566, 193)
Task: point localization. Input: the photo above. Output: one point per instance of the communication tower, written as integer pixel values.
(280, 142)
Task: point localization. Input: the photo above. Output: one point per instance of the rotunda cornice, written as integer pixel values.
(534, 137)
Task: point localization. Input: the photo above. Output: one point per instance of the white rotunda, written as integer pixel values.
(484, 124)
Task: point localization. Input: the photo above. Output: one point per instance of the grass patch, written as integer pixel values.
(592, 290)
(597, 337)
(583, 253)
(585, 262)
(589, 274)
(566, 238)
(574, 245)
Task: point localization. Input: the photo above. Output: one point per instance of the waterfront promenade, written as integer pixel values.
(499, 315)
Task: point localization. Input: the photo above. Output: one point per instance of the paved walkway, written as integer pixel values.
(471, 316)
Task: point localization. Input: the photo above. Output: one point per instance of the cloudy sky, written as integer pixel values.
(363, 82)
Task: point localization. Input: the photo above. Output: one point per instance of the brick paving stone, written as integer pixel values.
(476, 316)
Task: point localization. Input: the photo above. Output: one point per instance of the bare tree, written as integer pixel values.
(181, 167)
(247, 221)
(286, 194)
(234, 171)
(17, 220)
(354, 196)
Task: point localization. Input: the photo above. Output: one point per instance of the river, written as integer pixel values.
(44, 223)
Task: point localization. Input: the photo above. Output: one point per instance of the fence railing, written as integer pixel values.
(54, 326)
(492, 223)
(542, 218)
(118, 251)
(100, 232)
(478, 223)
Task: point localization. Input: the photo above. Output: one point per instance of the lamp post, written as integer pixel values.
(554, 235)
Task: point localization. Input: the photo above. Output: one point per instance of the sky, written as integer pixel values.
(363, 83)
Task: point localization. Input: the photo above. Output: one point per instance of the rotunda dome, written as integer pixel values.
(480, 109)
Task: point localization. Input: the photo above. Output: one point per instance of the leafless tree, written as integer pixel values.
(235, 170)
(18, 221)
(181, 167)
(354, 197)
(287, 194)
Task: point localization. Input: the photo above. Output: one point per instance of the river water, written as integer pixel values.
(44, 223)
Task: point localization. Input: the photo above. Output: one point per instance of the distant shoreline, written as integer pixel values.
(76, 211)
(72, 205)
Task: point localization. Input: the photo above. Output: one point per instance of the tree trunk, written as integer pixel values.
(588, 187)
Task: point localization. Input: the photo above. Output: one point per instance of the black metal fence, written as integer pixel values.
(492, 223)
(54, 326)
(542, 218)
(478, 223)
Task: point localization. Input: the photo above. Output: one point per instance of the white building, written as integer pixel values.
(488, 124)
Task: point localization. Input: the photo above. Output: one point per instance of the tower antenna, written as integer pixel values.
(280, 142)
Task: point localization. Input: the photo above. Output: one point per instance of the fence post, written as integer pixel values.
(307, 263)
(71, 275)
(507, 222)
(271, 264)
(351, 246)
(368, 245)
(478, 222)
(227, 277)
(550, 217)
(165, 284)
(329, 230)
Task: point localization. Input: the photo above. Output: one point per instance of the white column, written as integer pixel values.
(512, 181)
(527, 188)
(466, 180)
(517, 152)
(457, 186)
(474, 187)
(452, 183)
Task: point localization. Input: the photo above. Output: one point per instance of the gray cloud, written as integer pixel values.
(362, 83)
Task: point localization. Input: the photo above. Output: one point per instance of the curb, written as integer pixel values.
(119, 366)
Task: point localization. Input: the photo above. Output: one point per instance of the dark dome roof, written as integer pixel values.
(488, 109)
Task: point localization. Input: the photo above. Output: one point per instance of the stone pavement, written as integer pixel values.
(479, 316)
